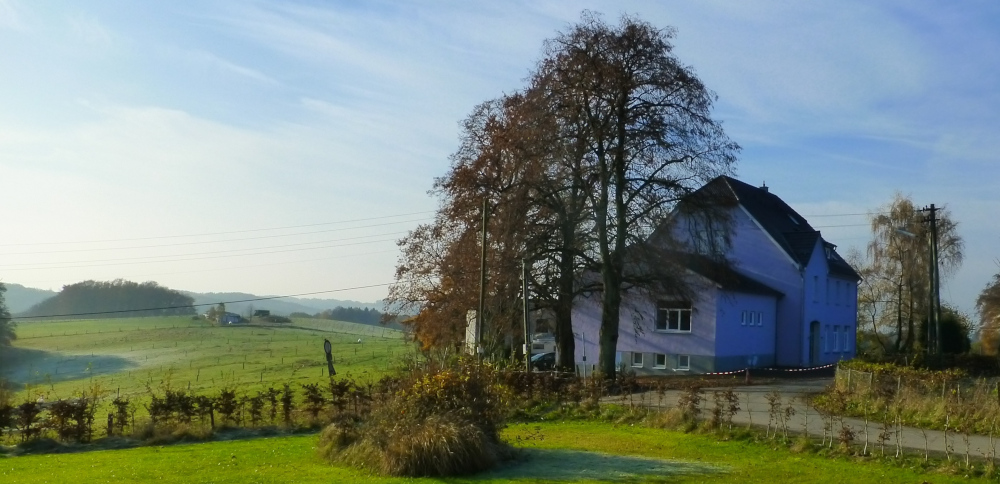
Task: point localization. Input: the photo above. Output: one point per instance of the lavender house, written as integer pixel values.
(787, 298)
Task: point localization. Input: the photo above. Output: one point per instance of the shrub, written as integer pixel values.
(440, 422)
(441, 445)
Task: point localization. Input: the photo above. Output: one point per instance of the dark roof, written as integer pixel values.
(726, 277)
(790, 230)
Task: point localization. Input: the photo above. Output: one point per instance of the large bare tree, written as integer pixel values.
(651, 141)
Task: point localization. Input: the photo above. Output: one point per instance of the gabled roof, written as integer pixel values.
(789, 230)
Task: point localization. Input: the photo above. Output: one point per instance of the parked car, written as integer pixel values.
(543, 361)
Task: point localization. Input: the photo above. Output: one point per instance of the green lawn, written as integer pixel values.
(60, 358)
(556, 452)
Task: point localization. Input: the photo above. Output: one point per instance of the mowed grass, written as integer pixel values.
(59, 359)
(553, 452)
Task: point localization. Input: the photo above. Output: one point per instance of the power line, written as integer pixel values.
(144, 259)
(210, 241)
(219, 233)
(844, 214)
(845, 225)
(266, 298)
(82, 265)
(300, 261)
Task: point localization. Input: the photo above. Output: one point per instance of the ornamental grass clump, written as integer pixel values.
(442, 421)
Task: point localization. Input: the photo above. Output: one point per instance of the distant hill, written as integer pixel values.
(19, 298)
(113, 299)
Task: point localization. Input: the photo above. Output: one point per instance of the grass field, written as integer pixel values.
(57, 359)
(552, 452)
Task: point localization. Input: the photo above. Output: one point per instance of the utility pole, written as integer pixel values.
(935, 315)
(482, 285)
(527, 335)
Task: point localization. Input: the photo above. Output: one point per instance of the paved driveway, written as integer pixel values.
(754, 408)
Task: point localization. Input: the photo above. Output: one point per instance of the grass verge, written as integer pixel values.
(551, 452)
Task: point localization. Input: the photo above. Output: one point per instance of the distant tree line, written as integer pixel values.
(351, 315)
(114, 299)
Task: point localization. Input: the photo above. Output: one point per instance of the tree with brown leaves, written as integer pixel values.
(988, 307)
(577, 171)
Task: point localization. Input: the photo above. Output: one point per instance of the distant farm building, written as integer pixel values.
(230, 318)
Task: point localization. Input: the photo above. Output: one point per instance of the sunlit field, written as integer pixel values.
(58, 359)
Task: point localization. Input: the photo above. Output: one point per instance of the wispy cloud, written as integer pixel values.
(207, 58)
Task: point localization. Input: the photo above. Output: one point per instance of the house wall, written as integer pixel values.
(833, 303)
(636, 333)
(755, 254)
(740, 345)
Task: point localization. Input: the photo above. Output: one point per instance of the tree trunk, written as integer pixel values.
(611, 305)
(565, 341)
(908, 344)
(899, 317)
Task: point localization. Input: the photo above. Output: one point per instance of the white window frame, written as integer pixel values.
(637, 363)
(760, 318)
(657, 358)
(672, 312)
(683, 362)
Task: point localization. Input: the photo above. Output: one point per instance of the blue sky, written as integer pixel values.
(281, 147)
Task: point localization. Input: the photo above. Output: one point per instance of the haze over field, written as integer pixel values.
(282, 148)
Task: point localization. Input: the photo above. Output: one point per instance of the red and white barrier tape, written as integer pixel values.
(772, 369)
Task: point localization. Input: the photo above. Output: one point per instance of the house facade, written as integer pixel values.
(786, 298)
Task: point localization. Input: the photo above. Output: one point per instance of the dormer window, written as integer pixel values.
(794, 220)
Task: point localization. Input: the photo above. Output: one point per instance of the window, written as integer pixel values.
(815, 288)
(836, 338)
(661, 361)
(683, 362)
(828, 290)
(673, 316)
(708, 236)
(743, 318)
(637, 360)
(760, 318)
(845, 342)
(826, 340)
(837, 300)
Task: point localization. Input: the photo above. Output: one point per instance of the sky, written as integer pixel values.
(283, 147)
